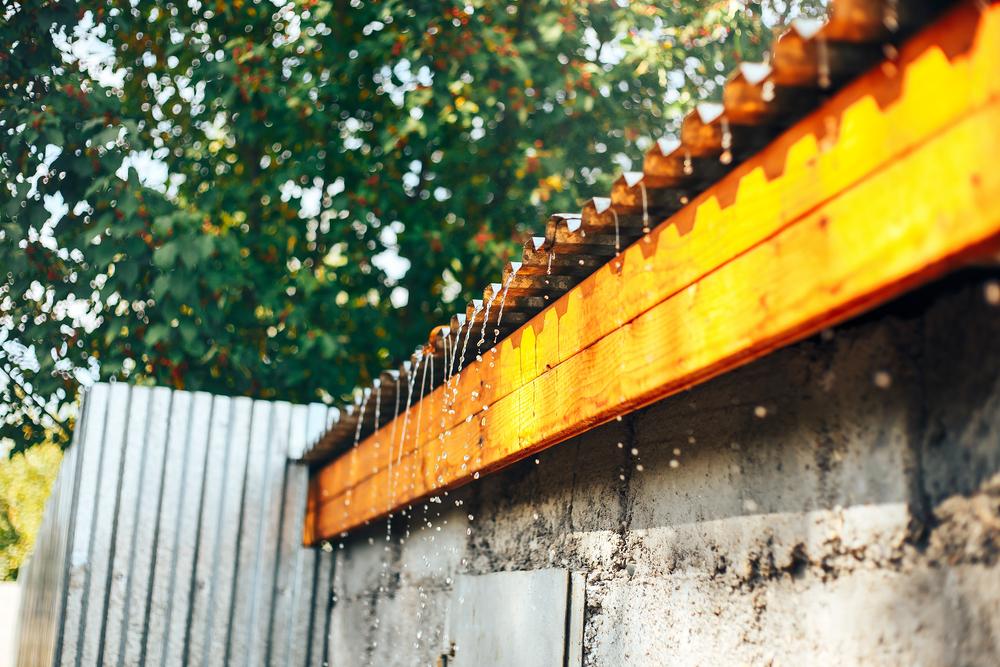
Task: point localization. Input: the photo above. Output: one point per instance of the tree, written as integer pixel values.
(25, 482)
(337, 175)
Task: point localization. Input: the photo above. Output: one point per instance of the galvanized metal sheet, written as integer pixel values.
(510, 619)
(91, 449)
(130, 491)
(178, 528)
(174, 536)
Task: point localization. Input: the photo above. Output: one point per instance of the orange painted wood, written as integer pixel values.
(883, 187)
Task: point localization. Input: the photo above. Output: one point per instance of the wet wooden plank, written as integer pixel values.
(836, 162)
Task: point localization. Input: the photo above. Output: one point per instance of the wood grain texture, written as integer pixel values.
(885, 186)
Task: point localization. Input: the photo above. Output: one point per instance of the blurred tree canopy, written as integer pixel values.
(279, 199)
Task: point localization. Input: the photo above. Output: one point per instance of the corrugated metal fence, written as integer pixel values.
(173, 537)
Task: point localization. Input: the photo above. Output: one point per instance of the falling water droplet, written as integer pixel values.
(890, 16)
(618, 248)
(645, 208)
(767, 91)
(515, 266)
(991, 292)
(823, 64)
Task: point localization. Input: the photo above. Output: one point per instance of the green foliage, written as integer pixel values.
(437, 131)
(25, 482)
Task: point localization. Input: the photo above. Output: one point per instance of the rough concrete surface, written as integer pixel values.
(835, 503)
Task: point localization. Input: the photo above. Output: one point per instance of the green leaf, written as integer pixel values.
(155, 334)
(165, 256)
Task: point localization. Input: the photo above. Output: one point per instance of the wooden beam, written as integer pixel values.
(887, 185)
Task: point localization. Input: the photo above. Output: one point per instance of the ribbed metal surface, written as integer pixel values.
(807, 63)
(173, 536)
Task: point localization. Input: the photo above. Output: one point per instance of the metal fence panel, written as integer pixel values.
(173, 536)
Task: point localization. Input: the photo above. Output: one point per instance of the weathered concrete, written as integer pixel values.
(835, 503)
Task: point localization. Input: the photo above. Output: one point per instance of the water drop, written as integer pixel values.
(767, 91)
(882, 380)
(991, 292)
(823, 66)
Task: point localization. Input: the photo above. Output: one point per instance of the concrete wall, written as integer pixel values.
(837, 502)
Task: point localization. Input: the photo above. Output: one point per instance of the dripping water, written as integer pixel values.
(515, 266)
(468, 334)
(890, 16)
(618, 245)
(823, 64)
(486, 320)
(767, 91)
(645, 208)
(727, 142)
(365, 395)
